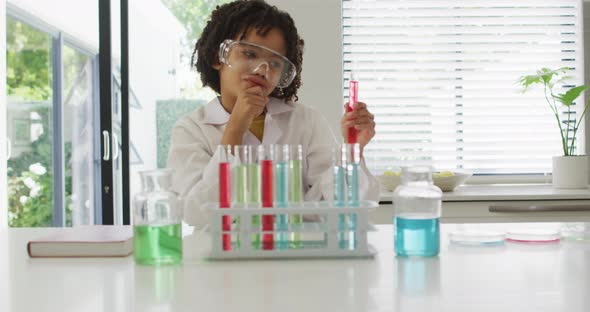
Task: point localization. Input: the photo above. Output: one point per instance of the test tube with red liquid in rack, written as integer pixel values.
(224, 152)
(266, 157)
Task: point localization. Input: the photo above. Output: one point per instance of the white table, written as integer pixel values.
(513, 277)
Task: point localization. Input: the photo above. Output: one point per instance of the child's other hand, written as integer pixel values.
(362, 120)
(249, 104)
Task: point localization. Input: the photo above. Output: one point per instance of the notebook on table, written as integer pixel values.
(84, 241)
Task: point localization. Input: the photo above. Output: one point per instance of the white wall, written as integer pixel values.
(154, 50)
(320, 24)
(3, 135)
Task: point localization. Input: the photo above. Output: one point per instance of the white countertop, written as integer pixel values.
(513, 277)
(496, 192)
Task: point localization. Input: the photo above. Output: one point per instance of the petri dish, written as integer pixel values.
(533, 236)
(477, 238)
(576, 231)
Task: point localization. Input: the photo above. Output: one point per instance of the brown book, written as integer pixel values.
(84, 241)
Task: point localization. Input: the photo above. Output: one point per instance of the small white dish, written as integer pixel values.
(446, 183)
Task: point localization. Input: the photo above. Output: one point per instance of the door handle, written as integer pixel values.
(106, 155)
(115, 146)
(539, 208)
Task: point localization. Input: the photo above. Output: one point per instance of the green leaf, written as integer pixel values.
(571, 95)
(547, 75)
(527, 81)
(543, 76)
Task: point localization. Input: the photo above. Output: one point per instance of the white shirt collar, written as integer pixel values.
(215, 113)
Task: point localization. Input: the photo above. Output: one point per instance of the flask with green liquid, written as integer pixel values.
(157, 219)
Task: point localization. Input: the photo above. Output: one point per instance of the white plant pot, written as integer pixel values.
(570, 172)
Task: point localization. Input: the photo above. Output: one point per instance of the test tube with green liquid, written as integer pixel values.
(240, 175)
(254, 192)
(281, 190)
(296, 191)
(240, 172)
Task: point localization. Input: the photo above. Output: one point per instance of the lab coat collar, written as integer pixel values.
(277, 106)
(215, 113)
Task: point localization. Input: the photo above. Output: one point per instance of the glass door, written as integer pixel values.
(79, 149)
(54, 138)
(117, 150)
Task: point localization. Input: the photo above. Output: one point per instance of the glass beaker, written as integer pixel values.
(157, 219)
(417, 209)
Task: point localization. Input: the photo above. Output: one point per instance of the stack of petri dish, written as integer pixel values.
(477, 238)
(540, 236)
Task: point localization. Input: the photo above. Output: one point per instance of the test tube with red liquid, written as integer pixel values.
(266, 157)
(353, 86)
(224, 152)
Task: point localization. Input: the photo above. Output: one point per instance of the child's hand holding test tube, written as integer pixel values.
(358, 125)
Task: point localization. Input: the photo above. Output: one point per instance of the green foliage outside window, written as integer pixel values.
(28, 59)
(193, 15)
(30, 183)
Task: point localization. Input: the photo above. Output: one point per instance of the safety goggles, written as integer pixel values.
(252, 58)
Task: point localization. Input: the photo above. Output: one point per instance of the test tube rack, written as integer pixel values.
(319, 238)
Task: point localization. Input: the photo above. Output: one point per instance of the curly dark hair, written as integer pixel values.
(236, 19)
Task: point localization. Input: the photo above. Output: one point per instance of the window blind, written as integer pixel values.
(441, 78)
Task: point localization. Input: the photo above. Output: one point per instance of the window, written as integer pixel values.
(441, 78)
(50, 82)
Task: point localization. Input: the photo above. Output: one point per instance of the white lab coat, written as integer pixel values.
(195, 138)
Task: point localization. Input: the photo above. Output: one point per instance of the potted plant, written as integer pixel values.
(569, 170)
